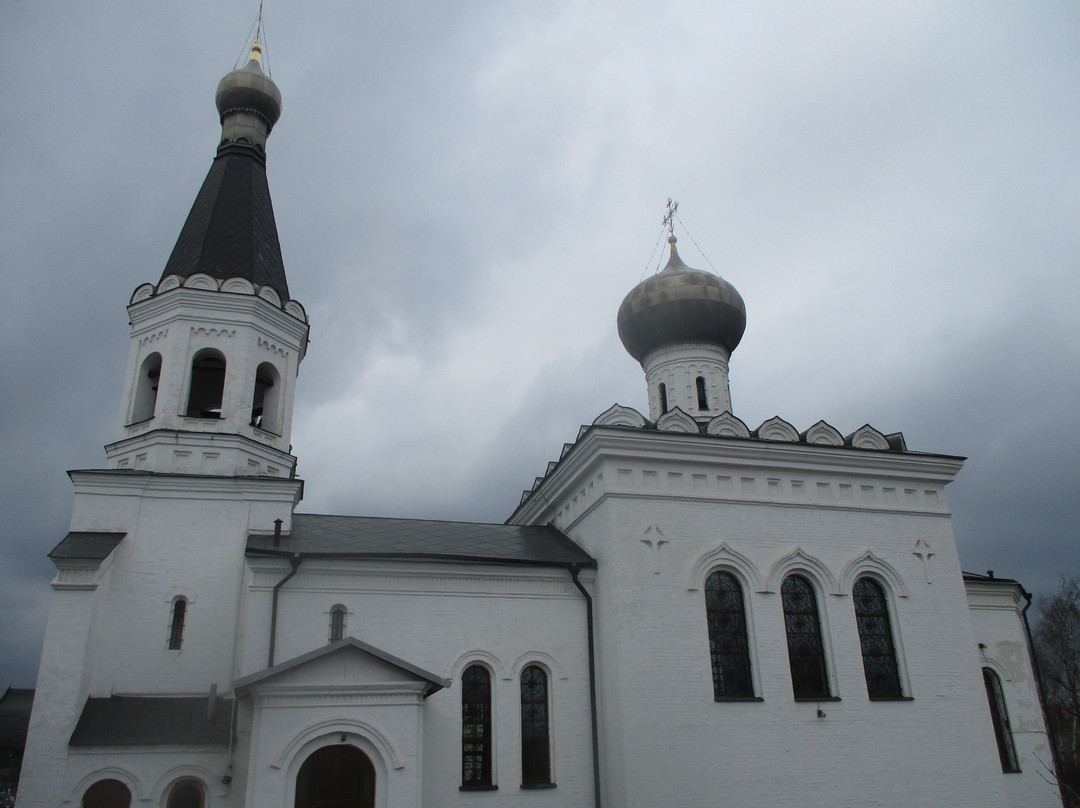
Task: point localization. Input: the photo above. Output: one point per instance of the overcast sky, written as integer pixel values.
(465, 191)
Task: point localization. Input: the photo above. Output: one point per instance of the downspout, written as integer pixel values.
(575, 570)
(295, 561)
(1042, 696)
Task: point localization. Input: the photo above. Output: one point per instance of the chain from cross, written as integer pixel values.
(669, 217)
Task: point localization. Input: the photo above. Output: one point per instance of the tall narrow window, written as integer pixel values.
(1002, 728)
(663, 398)
(876, 639)
(107, 794)
(176, 627)
(207, 384)
(146, 389)
(535, 738)
(728, 647)
(806, 654)
(265, 398)
(337, 623)
(476, 728)
(702, 399)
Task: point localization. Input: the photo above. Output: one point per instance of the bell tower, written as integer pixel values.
(216, 343)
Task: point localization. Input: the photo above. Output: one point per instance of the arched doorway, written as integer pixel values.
(338, 776)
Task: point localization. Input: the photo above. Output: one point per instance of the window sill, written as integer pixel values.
(737, 698)
(814, 699)
(892, 698)
(535, 786)
(139, 423)
(478, 787)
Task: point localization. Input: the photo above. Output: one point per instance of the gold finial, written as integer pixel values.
(256, 51)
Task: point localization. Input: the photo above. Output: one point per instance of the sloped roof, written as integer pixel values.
(435, 682)
(153, 721)
(230, 231)
(88, 545)
(375, 537)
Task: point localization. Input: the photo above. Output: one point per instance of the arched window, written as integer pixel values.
(876, 639)
(806, 653)
(107, 794)
(176, 624)
(663, 398)
(265, 400)
(535, 733)
(339, 775)
(476, 728)
(337, 622)
(207, 384)
(1002, 728)
(702, 399)
(186, 794)
(728, 646)
(146, 389)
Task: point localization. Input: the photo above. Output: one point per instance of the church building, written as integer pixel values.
(682, 611)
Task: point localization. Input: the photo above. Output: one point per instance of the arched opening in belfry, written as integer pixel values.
(207, 384)
(702, 398)
(663, 398)
(146, 389)
(339, 776)
(266, 400)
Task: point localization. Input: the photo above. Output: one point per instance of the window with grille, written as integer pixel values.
(476, 728)
(337, 623)
(876, 640)
(728, 646)
(806, 652)
(176, 626)
(1002, 729)
(535, 737)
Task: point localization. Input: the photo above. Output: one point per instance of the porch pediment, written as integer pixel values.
(348, 665)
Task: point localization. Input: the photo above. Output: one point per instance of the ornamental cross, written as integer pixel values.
(654, 545)
(923, 552)
(669, 217)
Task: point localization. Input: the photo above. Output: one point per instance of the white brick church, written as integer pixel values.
(682, 611)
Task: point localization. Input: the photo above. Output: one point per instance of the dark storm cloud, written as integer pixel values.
(465, 192)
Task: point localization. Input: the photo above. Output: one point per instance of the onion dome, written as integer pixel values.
(681, 305)
(248, 89)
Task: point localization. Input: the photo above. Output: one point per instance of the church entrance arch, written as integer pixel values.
(339, 776)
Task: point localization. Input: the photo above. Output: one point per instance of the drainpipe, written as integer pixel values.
(575, 570)
(295, 561)
(1042, 696)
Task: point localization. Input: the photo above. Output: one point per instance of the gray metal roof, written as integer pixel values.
(375, 537)
(153, 721)
(435, 682)
(230, 231)
(87, 545)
